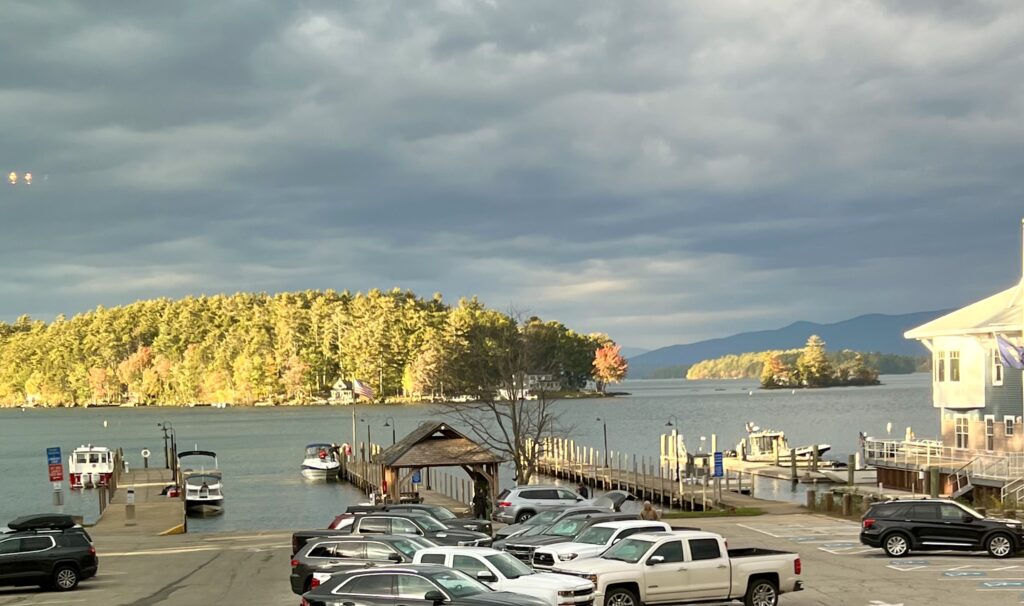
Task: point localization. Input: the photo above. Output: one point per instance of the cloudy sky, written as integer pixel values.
(661, 171)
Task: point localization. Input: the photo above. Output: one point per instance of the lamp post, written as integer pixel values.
(675, 445)
(366, 451)
(169, 451)
(390, 422)
(605, 424)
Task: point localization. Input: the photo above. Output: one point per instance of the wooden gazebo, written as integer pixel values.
(436, 444)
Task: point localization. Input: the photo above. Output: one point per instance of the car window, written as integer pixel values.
(411, 587)
(458, 584)
(322, 550)
(951, 513)
(349, 550)
(509, 565)
(378, 551)
(504, 493)
(704, 549)
(671, 551)
(469, 565)
(35, 544)
(75, 540)
(441, 513)
(373, 526)
(566, 495)
(400, 526)
(543, 517)
(925, 511)
(595, 535)
(406, 547)
(631, 531)
(567, 528)
(371, 584)
(432, 558)
(534, 494)
(9, 546)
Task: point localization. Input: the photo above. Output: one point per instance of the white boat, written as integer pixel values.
(761, 446)
(321, 462)
(90, 466)
(204, 483)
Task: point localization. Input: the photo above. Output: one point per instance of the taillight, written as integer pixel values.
(505, 504)
(868, 523)
(92, 550)
(295, 563)
(304, 602)
(797, 567)
(314, 583)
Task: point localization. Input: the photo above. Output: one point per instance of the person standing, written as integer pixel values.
(649, 513)
(480, 504)
(583, 490)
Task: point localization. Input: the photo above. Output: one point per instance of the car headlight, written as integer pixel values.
(592, 578)
(566, 594)
(565, 557)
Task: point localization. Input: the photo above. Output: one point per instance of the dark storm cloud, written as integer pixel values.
(659, 171)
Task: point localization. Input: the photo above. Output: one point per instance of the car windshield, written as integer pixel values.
(441, 513)
(407, 547)
(430, 524)
(629, 550)
(509, 566)
(596, 535)
(536, 530)
(544, 517)
(458, 584)
(421, 542)
(971, 511)
(566, 528)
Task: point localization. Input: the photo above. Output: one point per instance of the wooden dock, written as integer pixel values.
(151, 513)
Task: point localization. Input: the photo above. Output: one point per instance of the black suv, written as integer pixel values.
(900, 526)
(48, 550)
(345, 553)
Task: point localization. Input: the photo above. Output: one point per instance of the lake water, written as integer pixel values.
(260, 449)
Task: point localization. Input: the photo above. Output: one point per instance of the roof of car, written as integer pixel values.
(481, 551)
(359, 537)
(918, 500)
(681, 534)
(544, 486)
(421, 568)
(624, 523)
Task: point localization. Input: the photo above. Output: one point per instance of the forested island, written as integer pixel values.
(811, 366)
(287, 348)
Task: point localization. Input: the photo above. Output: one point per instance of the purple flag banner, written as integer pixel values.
(1010, 354)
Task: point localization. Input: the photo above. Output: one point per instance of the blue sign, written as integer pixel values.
(719, 472)
(53, 455)
(416, 477)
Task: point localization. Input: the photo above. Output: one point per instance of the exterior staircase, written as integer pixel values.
(962, 480)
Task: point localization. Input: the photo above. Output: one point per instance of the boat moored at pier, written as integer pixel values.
(321, 462)
(203, 482)
(769, 445)
(90, 466)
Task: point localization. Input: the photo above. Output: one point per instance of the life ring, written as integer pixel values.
(145, 453)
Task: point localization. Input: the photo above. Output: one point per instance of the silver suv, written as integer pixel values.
(519, 504)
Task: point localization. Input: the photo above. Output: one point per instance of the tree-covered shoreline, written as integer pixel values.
(282, 348)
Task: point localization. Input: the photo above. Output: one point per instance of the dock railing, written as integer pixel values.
(927, 454)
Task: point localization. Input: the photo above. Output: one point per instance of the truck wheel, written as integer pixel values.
(761, 592)
(999, 545)
(621, 596)
(65, 578)
(522, 516)
(896, 545)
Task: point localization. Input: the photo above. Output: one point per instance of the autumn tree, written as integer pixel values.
(609, 365)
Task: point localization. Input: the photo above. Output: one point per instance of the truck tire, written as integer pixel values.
(65, 578)
(761, 592)
(522, 516)
(896, 544)
(999, 545)
(620, 596)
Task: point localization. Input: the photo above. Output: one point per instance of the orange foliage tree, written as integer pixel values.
(609, 366)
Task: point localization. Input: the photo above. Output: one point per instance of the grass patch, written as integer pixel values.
(714, 513)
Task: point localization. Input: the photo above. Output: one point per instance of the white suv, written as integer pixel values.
(592, 542)
(521, 503)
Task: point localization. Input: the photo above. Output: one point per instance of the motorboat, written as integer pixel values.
(204, 483)
(763, 445)
(90, 466)
(321, 462)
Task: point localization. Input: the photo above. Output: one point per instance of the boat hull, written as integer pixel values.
(206, 507)
(318, 474)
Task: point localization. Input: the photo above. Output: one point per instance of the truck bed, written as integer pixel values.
(750, 552)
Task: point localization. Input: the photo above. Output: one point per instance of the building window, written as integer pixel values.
(1008, 424)
(960, 428)
(954, 366)
(997, 368)
(940, 366)
(990, 432)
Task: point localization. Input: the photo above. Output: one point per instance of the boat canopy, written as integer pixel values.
(197, 453)
(319, 445)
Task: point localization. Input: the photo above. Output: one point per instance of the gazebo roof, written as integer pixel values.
(435, 444)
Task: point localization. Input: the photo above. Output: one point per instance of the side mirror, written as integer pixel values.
(485, 575)
(395, 557)
(655, 560)
(435, 597)
(968, 517)
(579, 499)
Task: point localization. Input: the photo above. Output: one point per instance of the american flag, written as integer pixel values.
(362, 389)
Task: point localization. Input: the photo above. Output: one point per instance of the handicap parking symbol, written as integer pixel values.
(1001, 585)
(963, 573)
(908, 563)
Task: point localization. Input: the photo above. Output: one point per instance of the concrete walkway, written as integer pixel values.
(155, 514)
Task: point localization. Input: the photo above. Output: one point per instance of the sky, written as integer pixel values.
(659, 171)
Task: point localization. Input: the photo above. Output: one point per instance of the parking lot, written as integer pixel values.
(252, 568)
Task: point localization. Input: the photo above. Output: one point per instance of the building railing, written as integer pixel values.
(922, 454)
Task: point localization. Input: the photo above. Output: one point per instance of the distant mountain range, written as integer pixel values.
(871, 332)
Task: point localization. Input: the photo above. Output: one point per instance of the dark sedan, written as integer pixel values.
(441, 514)
(416, 585)
(387, 522)
(349, 552)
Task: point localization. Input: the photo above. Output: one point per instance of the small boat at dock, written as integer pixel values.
(90, 466)
(321, 462)
(763, 445)
(204, 483)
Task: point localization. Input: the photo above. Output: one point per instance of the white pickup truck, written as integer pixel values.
(592, 542)
(686, 566)
(503, 572)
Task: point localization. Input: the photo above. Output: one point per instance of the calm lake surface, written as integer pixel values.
(260, 449)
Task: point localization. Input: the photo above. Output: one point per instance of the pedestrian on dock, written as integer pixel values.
(649, 512)
(583, 490)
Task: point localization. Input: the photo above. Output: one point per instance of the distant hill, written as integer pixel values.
(632, 352)
(869, 333)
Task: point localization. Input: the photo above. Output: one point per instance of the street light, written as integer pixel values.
(605, 424)
(366, 451)
(675, 445)
(169, 454)
(390, 422)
